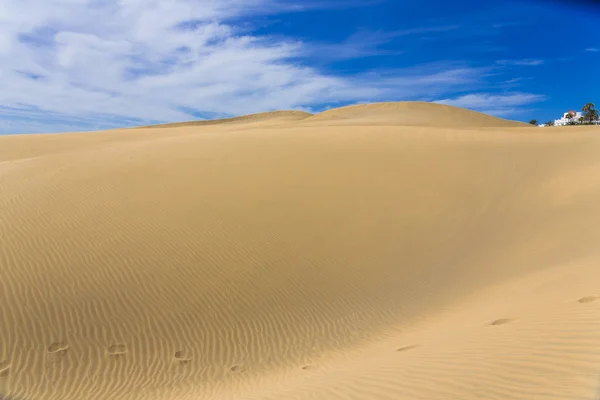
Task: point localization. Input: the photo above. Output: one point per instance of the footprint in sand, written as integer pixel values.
(588, 299)
(406, 348)
(58, 348)
(237, 369)
(57, 351)
(4, 369)
(182, 357)
(309, 367)
(117, 350)
(501, 321)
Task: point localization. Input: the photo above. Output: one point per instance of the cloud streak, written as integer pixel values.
(493, 103)
(365, 43)
(526, 62)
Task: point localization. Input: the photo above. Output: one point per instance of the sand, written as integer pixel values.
(294, 256)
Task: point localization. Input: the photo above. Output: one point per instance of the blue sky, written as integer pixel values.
(69, 65)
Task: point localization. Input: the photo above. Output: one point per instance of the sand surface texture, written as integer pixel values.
(371, 252)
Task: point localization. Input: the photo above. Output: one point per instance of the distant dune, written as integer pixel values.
(411, 113)
(365, 253)
(277, 116)
(414, 114)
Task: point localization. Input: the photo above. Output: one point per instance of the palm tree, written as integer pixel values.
(588, 107)
(533, 122)
(569, 117)
(590, 114)
(550, 123)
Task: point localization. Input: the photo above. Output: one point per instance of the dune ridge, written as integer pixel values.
(413, 113)
(307, 260)
(277, 116)
(407, 113)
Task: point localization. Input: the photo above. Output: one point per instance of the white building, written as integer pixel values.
(564, 120)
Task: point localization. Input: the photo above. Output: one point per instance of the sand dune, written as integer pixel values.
(273, 116)
(304, 260)
(412, 114)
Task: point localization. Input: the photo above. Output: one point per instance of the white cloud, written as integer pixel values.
(593, 49)
(507, 24)
(88, 64)
(128, 57)
(527, 62)
(494, 104)
(365, 43)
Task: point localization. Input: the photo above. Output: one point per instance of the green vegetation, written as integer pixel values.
(533, 122)
(590, 114)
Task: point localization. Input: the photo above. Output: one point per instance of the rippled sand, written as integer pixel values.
(391, 251)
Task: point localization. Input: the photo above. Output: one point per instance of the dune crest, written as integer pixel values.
(273, 116)
(408, 113)
(413, 113)
(309, 260)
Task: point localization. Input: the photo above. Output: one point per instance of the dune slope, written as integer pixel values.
(300, 262)
(412, 113)
(273, 117)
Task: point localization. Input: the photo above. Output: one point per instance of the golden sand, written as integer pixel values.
(370, 252)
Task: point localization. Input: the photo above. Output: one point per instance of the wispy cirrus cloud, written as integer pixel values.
(359, 45)
(507, 24)
(494, 103)
(426, 29)
(514, 82)
(593, 49)
(367, 43)
(526, 62)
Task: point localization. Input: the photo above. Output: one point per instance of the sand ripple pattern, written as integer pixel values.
(214, 263)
